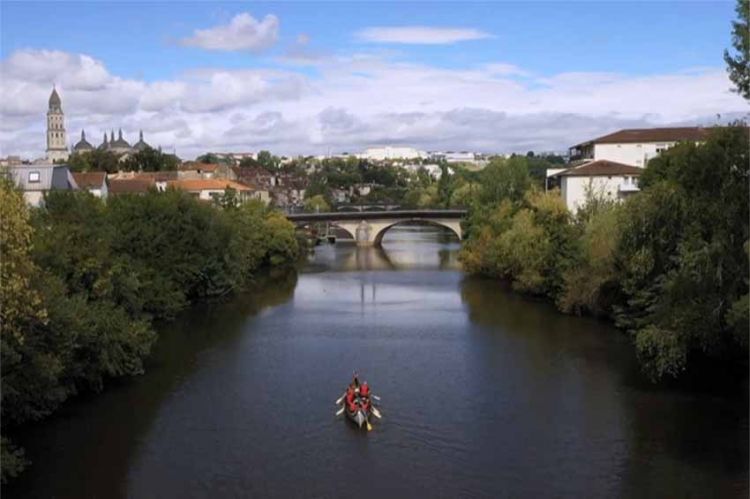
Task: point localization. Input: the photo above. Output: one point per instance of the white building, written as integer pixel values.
(390, 152)
(433, 169)
(455, 157)
(635, 146)
(57, 149)
(598, 178)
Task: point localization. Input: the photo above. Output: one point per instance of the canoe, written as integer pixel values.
(360, 412)
(359, 415)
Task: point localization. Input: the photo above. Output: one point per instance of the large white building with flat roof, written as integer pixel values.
(391, 152)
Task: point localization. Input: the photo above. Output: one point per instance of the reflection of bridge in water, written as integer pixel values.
(376, 258)
(367, 228)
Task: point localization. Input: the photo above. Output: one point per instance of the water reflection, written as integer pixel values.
(403, 248)
(577, 386)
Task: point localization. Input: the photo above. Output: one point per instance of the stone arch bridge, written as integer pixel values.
(367, 228)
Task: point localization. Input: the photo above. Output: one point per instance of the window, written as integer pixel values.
(33, 177)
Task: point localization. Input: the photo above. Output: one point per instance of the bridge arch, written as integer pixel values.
(453, 226)
(368, 228)
(339, 226)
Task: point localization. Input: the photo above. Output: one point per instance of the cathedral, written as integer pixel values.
(117, 146)
(57, 149)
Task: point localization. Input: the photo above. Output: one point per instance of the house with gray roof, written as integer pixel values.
(37, 180)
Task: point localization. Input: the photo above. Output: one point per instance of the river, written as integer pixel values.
(484, 394)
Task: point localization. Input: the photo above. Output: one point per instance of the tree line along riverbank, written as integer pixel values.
(83, 281)
(669, 265)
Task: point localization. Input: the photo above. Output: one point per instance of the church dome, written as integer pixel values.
(120, 143)
(83, 144)
(141, 144)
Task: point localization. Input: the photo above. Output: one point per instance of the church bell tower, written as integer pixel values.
(57, 149)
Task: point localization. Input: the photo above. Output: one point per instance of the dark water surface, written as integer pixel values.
(484, 394)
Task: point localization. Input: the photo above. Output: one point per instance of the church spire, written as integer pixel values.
(55, 103)
(83, 134)
(112, 136)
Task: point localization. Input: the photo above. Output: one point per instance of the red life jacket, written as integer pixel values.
(364, 390)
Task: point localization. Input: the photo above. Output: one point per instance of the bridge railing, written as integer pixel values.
(370, 215)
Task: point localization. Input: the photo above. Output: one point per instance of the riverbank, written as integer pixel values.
(84, 281)
(668, 264)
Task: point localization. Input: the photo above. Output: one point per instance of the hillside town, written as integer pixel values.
(608, 165)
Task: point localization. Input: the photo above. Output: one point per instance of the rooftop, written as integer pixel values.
(635, 135)
(193, 165)
(208, 184)
(90, 180)
(600, 168)
(130, 185)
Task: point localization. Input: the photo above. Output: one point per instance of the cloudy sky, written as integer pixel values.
(332, 77)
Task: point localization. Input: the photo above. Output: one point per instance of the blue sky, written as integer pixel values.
(551, 53)
(138, 39)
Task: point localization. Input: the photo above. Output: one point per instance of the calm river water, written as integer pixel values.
(484, 394)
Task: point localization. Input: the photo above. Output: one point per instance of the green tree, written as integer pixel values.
(738, 64)
(681, 257)
(465, 195)
(445, 186)
(151, 160)
(209, 158)
(248, 163)
(97, 160)
(22, 309)
(316, 203)
(590, 284)
(228, 200)
(504, 179)
(268, 161)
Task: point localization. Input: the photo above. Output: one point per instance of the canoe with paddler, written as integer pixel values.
(358, 404)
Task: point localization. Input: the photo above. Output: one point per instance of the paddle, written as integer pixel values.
(376, 413)
(376, 398)
(340, 412)
(341, 399)
(369, 426)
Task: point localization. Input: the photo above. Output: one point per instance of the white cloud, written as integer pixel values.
(504, 69)
(243, 32)
(347, 104)
(301, 53)
(420, 35)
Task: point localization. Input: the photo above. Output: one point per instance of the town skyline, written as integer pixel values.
(232, 77)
